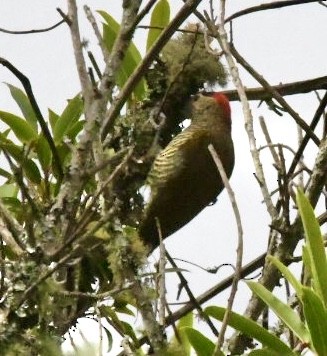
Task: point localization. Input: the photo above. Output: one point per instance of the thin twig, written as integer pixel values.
(318, 114)
(300, 140)
(268, 140)
(161, 277)
(7, 236)
(288, 242)
(83, 220)
(193, 301)
(26, 32)
(29, 92)
(2, 264)
(95, 296)
(212, 292)
(92, 20)
(95, 67)
(174, 80)
(19, 178)
(269, 6)
(86, 84)
(153, 329)
(239, 250)
(274, 93)
(133, 80)
(221, 36)
(274, 145)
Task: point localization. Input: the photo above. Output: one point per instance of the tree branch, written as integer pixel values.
(274, 94)
(293, 88)
(183, 13)
(44, 127)
(289, 241)
(239, 249)
(269, 6)
(86, 85)
(26, 32)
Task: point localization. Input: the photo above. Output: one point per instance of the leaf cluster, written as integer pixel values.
(55, 261)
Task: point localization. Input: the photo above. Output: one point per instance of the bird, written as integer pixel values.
(183, 178)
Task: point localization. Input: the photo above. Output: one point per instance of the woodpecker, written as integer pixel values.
(184, 178)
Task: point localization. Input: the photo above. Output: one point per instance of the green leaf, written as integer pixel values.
(53, 118)
(73, 131)
(68, 118)
(109, 338)
(184, 322)
(315, 245)
(121, 306)
(64, 153)
(43, 152)
(287, 274)
(159, 18)
(24, 104)
(308, 266)
(122, 326)
(129, 330)
(200, 343)
(316, 318)
(5, 174)
(290, 318)
(8, 190)
(132, 56)
(251, 329)
(22, 129)
(14, 205)
(32, 171)
(29, 167)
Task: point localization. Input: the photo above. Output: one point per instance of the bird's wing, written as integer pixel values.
(170, 160)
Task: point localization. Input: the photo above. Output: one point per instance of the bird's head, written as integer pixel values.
(208, 106)
(221, 100)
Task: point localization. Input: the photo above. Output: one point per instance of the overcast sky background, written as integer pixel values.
(283, 45)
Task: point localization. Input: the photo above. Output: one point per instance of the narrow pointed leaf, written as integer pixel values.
(24, 104)
(9, 190)
(251, 329)
(32, 171)
(43, 152)
(289, 317)
(185, 322)
(122, 326)
(29, 167)
(22, 129)
(314, 243)
(53, 118)
(160, 19)
(68, 118)
(287, 274)
(73, 131)
(200, 343)
(316, 318)
(5, 174)
(109, 338)
(132, 56)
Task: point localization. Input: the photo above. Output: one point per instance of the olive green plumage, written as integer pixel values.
(184, 178)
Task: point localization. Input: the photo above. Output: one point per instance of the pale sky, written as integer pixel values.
(283, 45)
